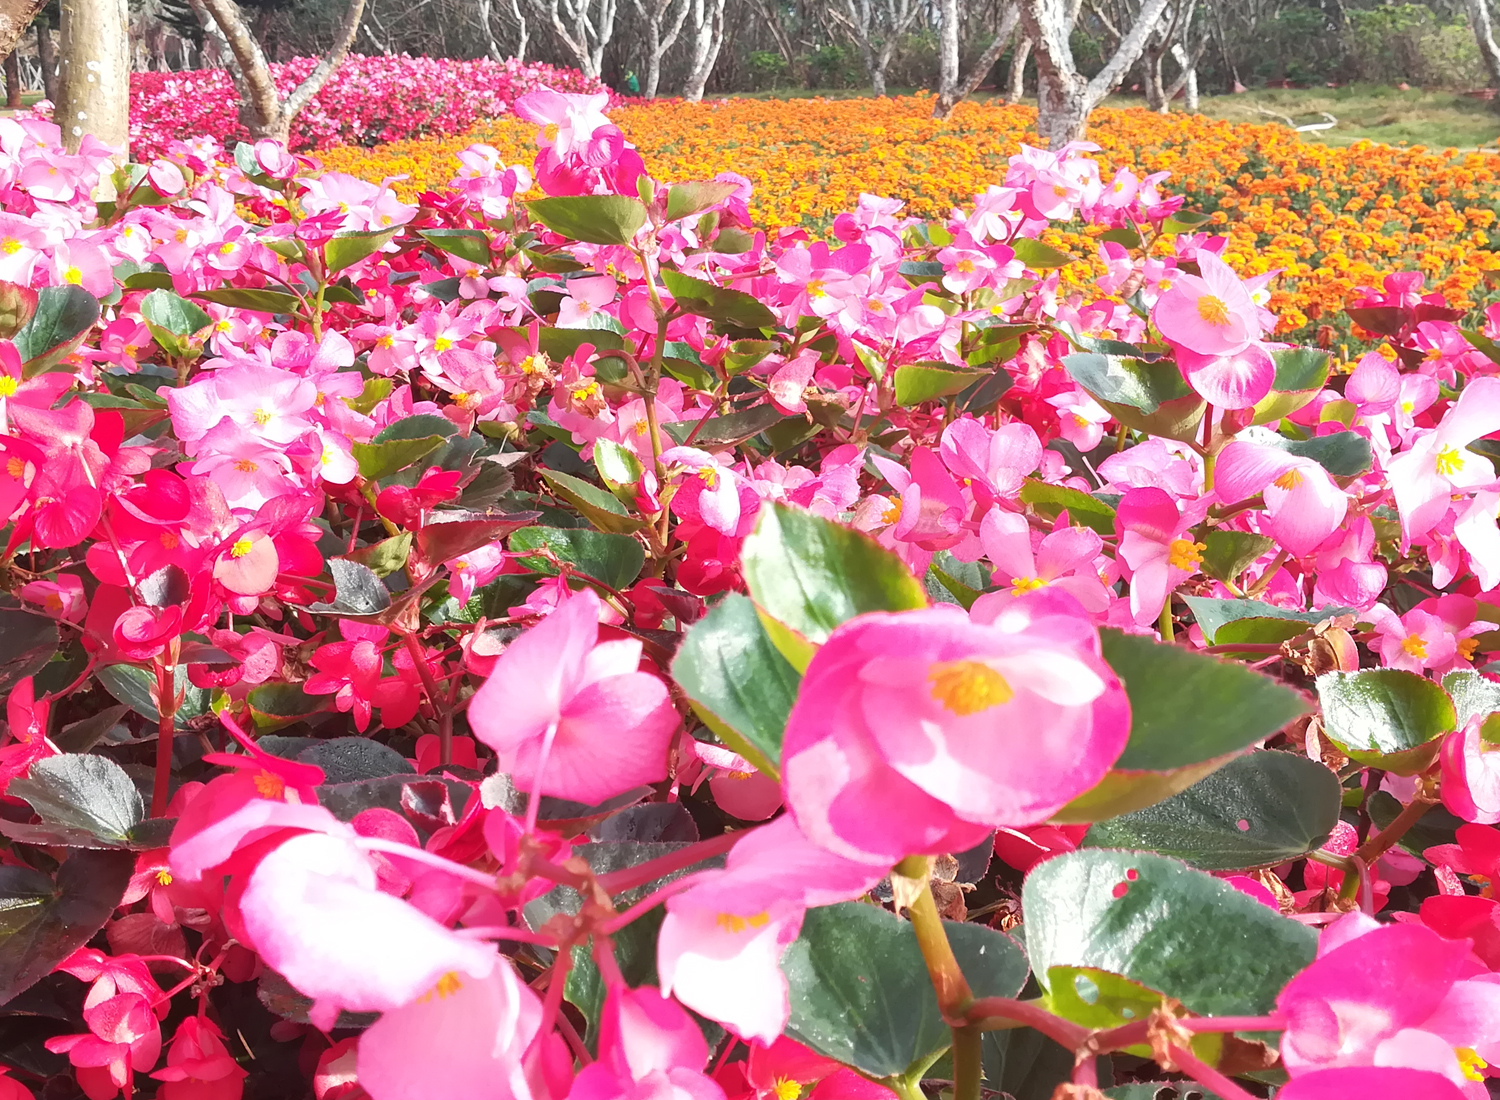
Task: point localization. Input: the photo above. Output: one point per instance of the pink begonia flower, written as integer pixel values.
(790, 381)
(1390, 996)
(1063, 559)
(584, 298)
(649, 1049)
(995, 462)
(1211, 313)
(964, 724)
(1156, 547)
(932, 508)
(1471, 774)
(315, 913)
(1425, 478)
(199, 1066)
(1370, 1083)
(1234, 381)
(11, 1089)
(1415, 641)
(572, 717)
(773, 1072)
(123, 1039)
(1080, 418)
(576, 117)
(464, 1038)
(723, 937)
(1303, 505)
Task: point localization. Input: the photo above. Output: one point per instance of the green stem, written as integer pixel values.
(968, 1063)
(166, 732)
(948, 981)
(1164, 624)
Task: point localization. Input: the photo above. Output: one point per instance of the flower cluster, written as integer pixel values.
(368, 100)
(577, 644)
(1330, 220)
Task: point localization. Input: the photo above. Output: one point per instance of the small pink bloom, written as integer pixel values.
(571, 716)
(1212, 314)
(1156, 548)
(199, 1066)
(1064, 559)
(1303, 505)
(649, 1049)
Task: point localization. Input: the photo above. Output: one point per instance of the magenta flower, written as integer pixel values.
(1063, 559)
(571, 716)
(1156, 548)
(1303, 505)
(1390, 996)
(199, 1066)
(1371, 1083)
(1439, 464)
(1471, 774)
(1211, 314)
(964, 724)
(649, 1049)
(721, 943)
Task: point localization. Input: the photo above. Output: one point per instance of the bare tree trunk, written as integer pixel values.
(47, 59)
(94, 92)
(12, 82)
(708, 39)
(262, 110)
(947, 56)
(1065, 97)
(1003, 34)
(655, 12)
(1479, 20)
(1016, 84)
(1187, 80)
(769, 15)
(589, 35)
(523, 29)
(15, 17)
(1156, 94)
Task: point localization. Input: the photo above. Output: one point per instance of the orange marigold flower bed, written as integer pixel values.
(1330, 219)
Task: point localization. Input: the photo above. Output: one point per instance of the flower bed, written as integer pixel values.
(581, 646)
(1330, 220)
(367, 101)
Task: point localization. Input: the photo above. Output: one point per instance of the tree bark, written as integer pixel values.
(12, 82)
(15, 17)
(1003, 34)
(1484, 35)
(947, 55)
(262, 110)
(708, 39)
(47, 59)
(1016, 84)
(655, 13)
(94, 91)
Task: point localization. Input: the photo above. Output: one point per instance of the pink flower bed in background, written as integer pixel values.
(369, 100)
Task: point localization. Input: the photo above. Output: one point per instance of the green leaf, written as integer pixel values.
(1386, 717)
(1125, 235)
(596, 219)
(727, 430)
(919, 382)
(43, 921)
(1038, 256)
(27, 643)
(379, 460)
(136, 687)
(717, 303)
(1300, 369)
(614, 559)
(1161, 1090)
(687, 199)
(618, 467)
(1212, 615)
(467, 244)
(737, 681)
(452, 534)
(1473, 695)
(416, 427)
(90, 794)
(1342, 454)
(1482, 344)
(1083, 509)
(807, 575)
(1098, 999)
(558, 344)
(17, 306)
(595, 504)
(348, 248)
(174, 313)
(384, 557)
(1184, 221)
(1188, 714)
(1256, 811)
(860, 993)
(278, 705)
(64, 315)
(1148, 395)
(1227, 554)
(358, 592)
(259, 301)
(1158, 922)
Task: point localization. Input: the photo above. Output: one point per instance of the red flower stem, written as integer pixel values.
(434, 696)
(1383, 841)
(645, 905)
(1208, 1077)
(166, 731)
(1127, 1035)
(999, 1013)
(617, 882)
(418, 855)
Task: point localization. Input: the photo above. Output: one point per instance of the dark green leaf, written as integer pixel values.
(347, 248)
(1473, 695)
(1038, 256)
(174, 313)
(1299, 369)
(27, 643)
(467, 244)
(379, 460)
(1161, 1090)
(1258, 810)
(42, 922)
(597, 219)
(596, 505)
(808, 575)
(1342, 454)
(1227, 554)
(1160, 923)
(1083, 509)
(686, 199)
(136, 687)
(64, 315)
(919, 382)
(278, 705)
(1184, 221)
(717, 303)
(357, 591)
(728, 430)
(737, 681)
(352, 759)
(1143, 384)
(1212, 614)
(861, 995)
(384, 557)
(88, 732)
(614, 559)
(91, 793)
(1124, 235)
(1386, 717)
(260, 301)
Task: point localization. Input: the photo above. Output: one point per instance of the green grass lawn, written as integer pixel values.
(1437, 119)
